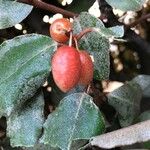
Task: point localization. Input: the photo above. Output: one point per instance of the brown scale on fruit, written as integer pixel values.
(59, 30)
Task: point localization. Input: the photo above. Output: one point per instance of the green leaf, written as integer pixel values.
(144, 82)
(144, 116)
(76, 145)
(79, 6)
(117, 31)
(85, 20)
(12, 12)
(5, 144)
(77, 117)
(126, 101)
(24, 126)
(24, 65)
(127, 5)
(95, 43)
(146, 145)
(57, 95)
(41, 147)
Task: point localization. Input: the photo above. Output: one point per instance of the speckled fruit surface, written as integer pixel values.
(87, 68)
(66, 67)
(59, 29)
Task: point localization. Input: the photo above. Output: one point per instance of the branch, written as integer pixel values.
(127, 136)
(82, 33)
(144, 17)
(49, 7)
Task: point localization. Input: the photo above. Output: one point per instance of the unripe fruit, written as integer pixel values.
(59, 28)
(66, 67)
(87, 68)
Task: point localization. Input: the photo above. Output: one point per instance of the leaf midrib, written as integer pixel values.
(76, 116)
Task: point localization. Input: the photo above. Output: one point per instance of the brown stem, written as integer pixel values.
(76, 43)
(82, 33)
(70, 39)
(88, 89)
(49, 7)
(138, 21)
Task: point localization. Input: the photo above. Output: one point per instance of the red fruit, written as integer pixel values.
(87, 68)
(59, 28)
(66, 67)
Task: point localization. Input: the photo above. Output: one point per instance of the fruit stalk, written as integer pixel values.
(83, 32)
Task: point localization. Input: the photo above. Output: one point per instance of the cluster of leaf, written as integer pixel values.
(25, 66)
